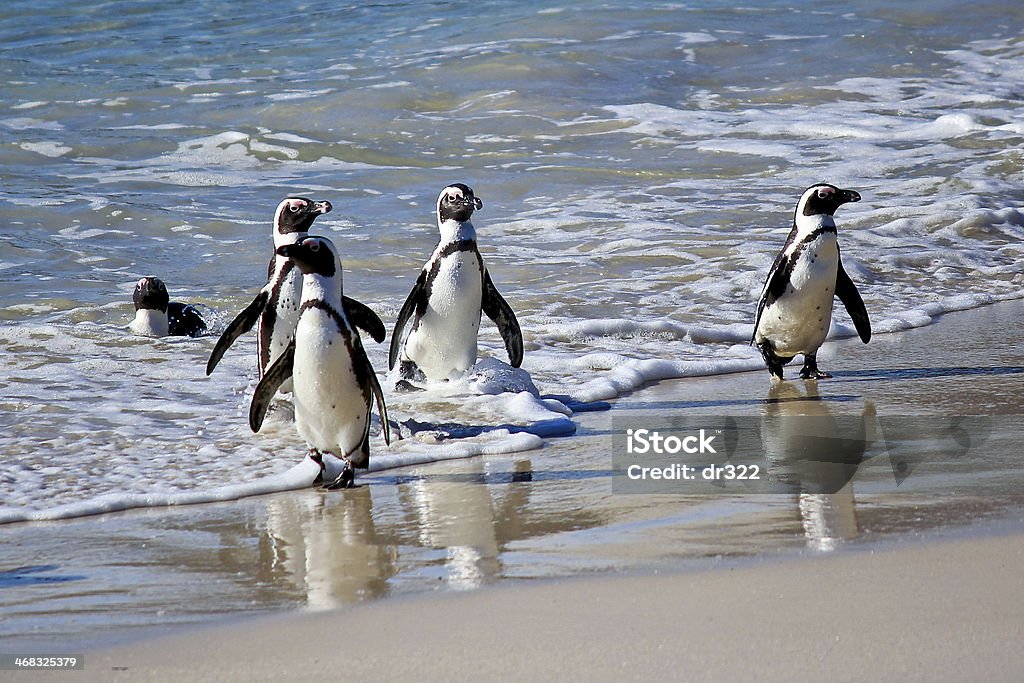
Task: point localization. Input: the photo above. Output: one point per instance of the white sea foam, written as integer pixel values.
(47, 149)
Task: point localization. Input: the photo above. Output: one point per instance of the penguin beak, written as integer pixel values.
(320, 208)
(470, 203)
(288, 250)
(848, 196)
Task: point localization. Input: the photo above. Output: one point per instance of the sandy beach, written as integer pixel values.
(572, 582)
(910, 611)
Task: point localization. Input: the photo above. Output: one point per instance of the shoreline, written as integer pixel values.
(866, 613)
(566, 577)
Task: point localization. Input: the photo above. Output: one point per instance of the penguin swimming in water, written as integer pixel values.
(276, 307)
(334, 384)
(157, 316)
(442, 312)
(795, 308)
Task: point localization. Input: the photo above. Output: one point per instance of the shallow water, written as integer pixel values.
(638, 167)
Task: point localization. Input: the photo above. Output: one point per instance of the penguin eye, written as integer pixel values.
(824, 193)
(314, 247)
(293, 208)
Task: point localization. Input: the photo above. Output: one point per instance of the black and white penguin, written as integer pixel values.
(795, 308)
(157, 316)
(276, 307)
(435, 336)
(334, 384)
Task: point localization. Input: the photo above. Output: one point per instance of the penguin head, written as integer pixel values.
(824, 199)
(313, 255)
(457, 203)
(151, 294)
(296, 214)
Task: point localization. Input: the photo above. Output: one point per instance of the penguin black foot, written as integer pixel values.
(318, 458)
(810, 369)
(404, 386)
(773, 362)
(345, 480)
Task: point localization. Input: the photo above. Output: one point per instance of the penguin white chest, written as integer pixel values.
(331, 410)
(444, 341)
(798, 321)
(149, 323)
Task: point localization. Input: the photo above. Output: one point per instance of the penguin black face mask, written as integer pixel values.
(296, 214)
(827, 199)
(458, 203)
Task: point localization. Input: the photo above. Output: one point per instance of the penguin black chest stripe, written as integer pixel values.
(360, 369)
(815, 234)
(789, 262)
(341, 322)
(435, 267)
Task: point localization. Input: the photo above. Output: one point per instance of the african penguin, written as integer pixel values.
(442, 312)
(157, 316)
(334, 384)
(276, 307)
(795, 308)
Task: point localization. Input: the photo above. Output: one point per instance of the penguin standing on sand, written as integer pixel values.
(442, 312)
(795, 308)
(157, 316)
(334, 384)
(276, 307)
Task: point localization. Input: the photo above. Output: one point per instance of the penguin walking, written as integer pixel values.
(442, 312)
(795, 308)
(276, 307)
(334, 384)
(157, 316)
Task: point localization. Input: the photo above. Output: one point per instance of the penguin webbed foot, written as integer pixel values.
(317, 457)
(408, 373)
(773, 362)
(345, 480)
(810, 369)
(404, 386)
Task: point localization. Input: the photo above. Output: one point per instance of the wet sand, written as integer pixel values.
(910, 611)
(864, 584)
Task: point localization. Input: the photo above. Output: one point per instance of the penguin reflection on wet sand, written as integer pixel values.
(157, 316)
(276, 307)
(816, 454)
(795, 308)
(435, 336)
(334, 384)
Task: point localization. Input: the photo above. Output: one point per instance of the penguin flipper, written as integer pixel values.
(363, 317)
(242, 323)
(498, 310)
(417, 294)
(774, 286)
(382, 409)
(848, 294)
(275, 375)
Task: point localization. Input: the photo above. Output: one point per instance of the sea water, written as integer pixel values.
(639, 165)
